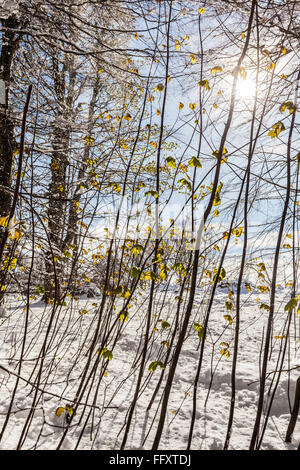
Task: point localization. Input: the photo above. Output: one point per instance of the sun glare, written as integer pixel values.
(245, 88)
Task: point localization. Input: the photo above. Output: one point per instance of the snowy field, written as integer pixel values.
(56, 368)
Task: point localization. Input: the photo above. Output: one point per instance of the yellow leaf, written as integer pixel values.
(54, 164)
(204, 84)
(82, 224)
(59, 411)
(225, 352)
(228, 318)
(180, 106)
(216, 154)
(243, 73)
(237, 231)
(123, 316)
(4, 221)
(159, 87)
(9, 263)
(276, 129)
(15, 234)
(127, 117)
(171, 162)
(287, 105)
(69, 409)
(216, 69)
(201, 10)
(89, 140)
(263, 289)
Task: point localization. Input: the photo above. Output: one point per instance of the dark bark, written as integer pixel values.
(8, 48)
(294, 415)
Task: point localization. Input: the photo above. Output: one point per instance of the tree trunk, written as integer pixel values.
(294, 415)
(9, 44)
(57, 187)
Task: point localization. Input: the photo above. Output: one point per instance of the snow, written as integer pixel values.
(8, 8)
(66, 357)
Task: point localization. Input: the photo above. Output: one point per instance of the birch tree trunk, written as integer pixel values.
(58, 184)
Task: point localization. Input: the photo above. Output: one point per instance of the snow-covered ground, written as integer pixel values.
(66, 356)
